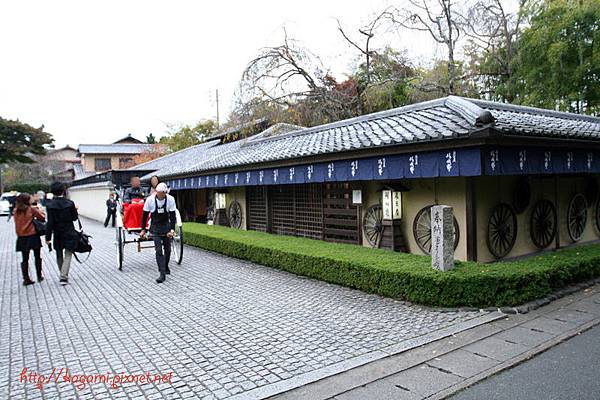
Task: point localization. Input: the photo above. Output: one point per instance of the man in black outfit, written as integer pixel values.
(161, 207)
(61, 212)
(111, 210)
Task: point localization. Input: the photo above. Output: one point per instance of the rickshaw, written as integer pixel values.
(128, 229)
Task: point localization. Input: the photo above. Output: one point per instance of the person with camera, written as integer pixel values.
(28, 238)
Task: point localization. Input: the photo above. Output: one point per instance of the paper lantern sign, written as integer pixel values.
(220, 201)
(391, 204)
(387, 206)
(357, 196)
(396, 205)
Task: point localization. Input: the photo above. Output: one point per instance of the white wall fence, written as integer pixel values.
(91, 199)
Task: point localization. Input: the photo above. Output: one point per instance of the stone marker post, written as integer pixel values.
(442, 238)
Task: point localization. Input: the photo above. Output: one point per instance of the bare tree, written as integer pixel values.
(368, 32)
(290, 76)
(493, 33)
(438, 18)
(282, 73)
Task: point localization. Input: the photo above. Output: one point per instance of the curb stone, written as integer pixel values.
(531, 305)
(454, 389)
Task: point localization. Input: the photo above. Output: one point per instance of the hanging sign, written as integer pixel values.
(357, 196)
(459, 162)
(220, 201)
(387, 204)
(396, 205)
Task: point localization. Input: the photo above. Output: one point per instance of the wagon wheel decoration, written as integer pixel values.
(502, 230)
(373, 225)
(234, 214)
(422, 230)
(543, 223)
(576, 217)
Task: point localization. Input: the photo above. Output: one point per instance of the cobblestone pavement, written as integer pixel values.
(223, 327)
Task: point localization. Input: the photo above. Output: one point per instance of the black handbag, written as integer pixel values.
(83, 242)
(40, 227)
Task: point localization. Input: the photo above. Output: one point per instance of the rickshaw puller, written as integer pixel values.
(162, 209)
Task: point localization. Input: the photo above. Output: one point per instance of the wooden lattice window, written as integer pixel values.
(283, 219)
(340, 216)
(309, 211)
(256, 201)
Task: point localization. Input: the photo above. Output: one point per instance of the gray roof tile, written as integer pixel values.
(120, 148)
(446, 118)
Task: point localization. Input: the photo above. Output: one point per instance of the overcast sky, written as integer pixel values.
(94, 71)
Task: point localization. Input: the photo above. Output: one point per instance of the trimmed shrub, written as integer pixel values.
(28, 187)
(400, 275)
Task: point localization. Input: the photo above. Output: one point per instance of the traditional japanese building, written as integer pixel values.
(520, 180)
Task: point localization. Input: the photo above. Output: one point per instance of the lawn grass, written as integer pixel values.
(405, 276)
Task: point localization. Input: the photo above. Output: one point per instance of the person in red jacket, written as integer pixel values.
(27, 237)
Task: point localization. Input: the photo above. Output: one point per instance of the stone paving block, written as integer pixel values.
(243, 323)
(525, 336)
(423, 380)
(587, 306)
(570, 315)
(496, 349)
(463, 363)
(548, 325)
(379, 390)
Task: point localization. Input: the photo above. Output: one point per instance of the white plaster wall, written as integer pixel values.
(91, 199)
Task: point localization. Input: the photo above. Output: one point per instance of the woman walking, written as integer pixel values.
(27, 237)
(61, 214)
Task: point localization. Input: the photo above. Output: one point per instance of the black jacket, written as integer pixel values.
(61, 213)
(111, 205)
(133, 193)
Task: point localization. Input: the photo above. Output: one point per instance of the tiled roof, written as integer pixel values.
(178, 159)
(120, 148)
(80, 173)
(442, 119)
(529, 121)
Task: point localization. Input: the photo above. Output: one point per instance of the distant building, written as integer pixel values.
(129, 140)
(61, 163)
(113, 156)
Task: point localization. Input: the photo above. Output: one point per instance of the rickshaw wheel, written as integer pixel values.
(120, 247)
(177, 244)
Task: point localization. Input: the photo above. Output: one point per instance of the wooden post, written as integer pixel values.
(471, 213)
(322, 193)
(269, 227)
(556, 204)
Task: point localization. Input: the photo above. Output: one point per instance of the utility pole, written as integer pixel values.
(217, 96)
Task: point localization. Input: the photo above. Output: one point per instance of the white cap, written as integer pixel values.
(162, 187)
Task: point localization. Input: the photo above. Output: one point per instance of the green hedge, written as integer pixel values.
(28, 187)
(401, 275)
